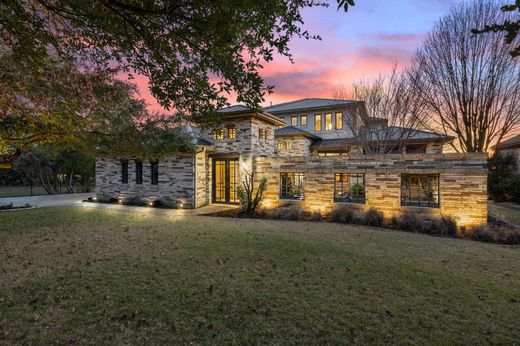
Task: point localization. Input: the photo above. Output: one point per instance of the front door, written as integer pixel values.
(225, 180)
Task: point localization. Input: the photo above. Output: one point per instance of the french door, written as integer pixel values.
(226, 178)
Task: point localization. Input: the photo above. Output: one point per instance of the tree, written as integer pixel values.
(194, 52)
(510, 26)
(89, 110)
(249, 199)
(469, 83)
(394, 110)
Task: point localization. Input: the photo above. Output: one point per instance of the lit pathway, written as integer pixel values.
(71, 200)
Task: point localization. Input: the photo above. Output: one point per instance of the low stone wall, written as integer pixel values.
(462, 182)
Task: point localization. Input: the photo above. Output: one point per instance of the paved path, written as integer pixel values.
(71, 200)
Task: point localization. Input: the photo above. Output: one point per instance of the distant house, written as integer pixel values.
(510, 146)
(311, 157)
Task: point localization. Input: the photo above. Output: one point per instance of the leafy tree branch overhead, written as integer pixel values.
(194, 52)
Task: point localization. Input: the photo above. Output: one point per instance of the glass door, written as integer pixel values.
(226, 178)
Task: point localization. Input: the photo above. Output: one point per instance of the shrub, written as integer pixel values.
(496, 234)
(287, 213)
(409, 222)
(444, 226)
(373, 217)
(135, 200)
(6, 206)
(316, 215)
(249, 199)
(342, 214)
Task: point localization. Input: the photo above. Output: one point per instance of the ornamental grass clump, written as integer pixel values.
(373, 217)
(342, 214)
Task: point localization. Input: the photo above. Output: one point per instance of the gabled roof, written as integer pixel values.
(291, 131)
(509, 143)
(308, 104)
(194, 132)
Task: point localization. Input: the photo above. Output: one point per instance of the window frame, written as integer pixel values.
(340, 122)
(328, 122)
(154, 172)
(355, 200)
(138, 172)
(124, 171)
(294, 120)
(284, 192)
(231, 133)
(435, 191)
(303, 120)
(317, 121)
(218, 134)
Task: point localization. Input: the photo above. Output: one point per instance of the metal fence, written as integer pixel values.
(37, 190)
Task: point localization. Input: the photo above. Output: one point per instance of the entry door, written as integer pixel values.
(225, 181)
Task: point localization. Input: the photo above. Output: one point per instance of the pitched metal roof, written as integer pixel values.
(307, 104)
(332, 144)
(293, 131)
(234, 109)
(509, 143)
(393, 133)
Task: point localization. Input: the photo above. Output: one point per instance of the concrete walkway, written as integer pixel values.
(76, 200)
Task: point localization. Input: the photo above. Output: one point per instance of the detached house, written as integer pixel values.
(310, 156)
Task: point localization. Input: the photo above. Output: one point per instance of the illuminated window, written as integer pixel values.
(218, 134)
(294, 120)
(279, 145)
(349, 188)
(291, 185)
(420, 190)
(317, 122)
(288, 145)
(124, 171)
(328, 121)
(138, 172)
(303, 120)
(339, 121)
(154, 165)
(261, 133)
(231, 132)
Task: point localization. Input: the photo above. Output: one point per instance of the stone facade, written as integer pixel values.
(462, 180)
(293, 146)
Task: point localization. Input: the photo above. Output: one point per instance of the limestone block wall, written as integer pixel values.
(202, 178)
(462, 182)
(299, 146)
(176, 180)
(434, 148)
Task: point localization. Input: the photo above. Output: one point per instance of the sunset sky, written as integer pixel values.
(369, 39)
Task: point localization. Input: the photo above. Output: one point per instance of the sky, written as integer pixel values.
(370, 39)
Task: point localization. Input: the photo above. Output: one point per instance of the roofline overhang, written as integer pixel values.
(331, 107)
(265, 116)
(308, 135)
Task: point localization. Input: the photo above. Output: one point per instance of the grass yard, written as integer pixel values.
(87, 276)
(506, 211)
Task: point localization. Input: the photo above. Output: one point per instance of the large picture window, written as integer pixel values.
(420, 190)
(349, 188)
(291, 186)
(155, 172)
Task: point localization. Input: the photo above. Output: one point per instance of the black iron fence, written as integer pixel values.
(38, 190)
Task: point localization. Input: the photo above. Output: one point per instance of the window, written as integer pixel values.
(349, 188)
(416, 149)
(266, 133)
(279, 145)
(291, 186)
(328, 121)
(420, 190)
(303, 120)
(154, 165)
(294, 120)
(231, 133)
(339, 121)
(317, 122)
(288, 145)
(124, 171)
(218, 134)
(261, 134)
(138, 172)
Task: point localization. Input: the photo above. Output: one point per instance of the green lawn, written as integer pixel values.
(86, 276)
(506, 211)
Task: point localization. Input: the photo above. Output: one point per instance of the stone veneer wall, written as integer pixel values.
(176, 180)
(300, 146)
(434, 148)
(463, 182)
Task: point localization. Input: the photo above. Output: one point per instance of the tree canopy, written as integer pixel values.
(194, 52)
